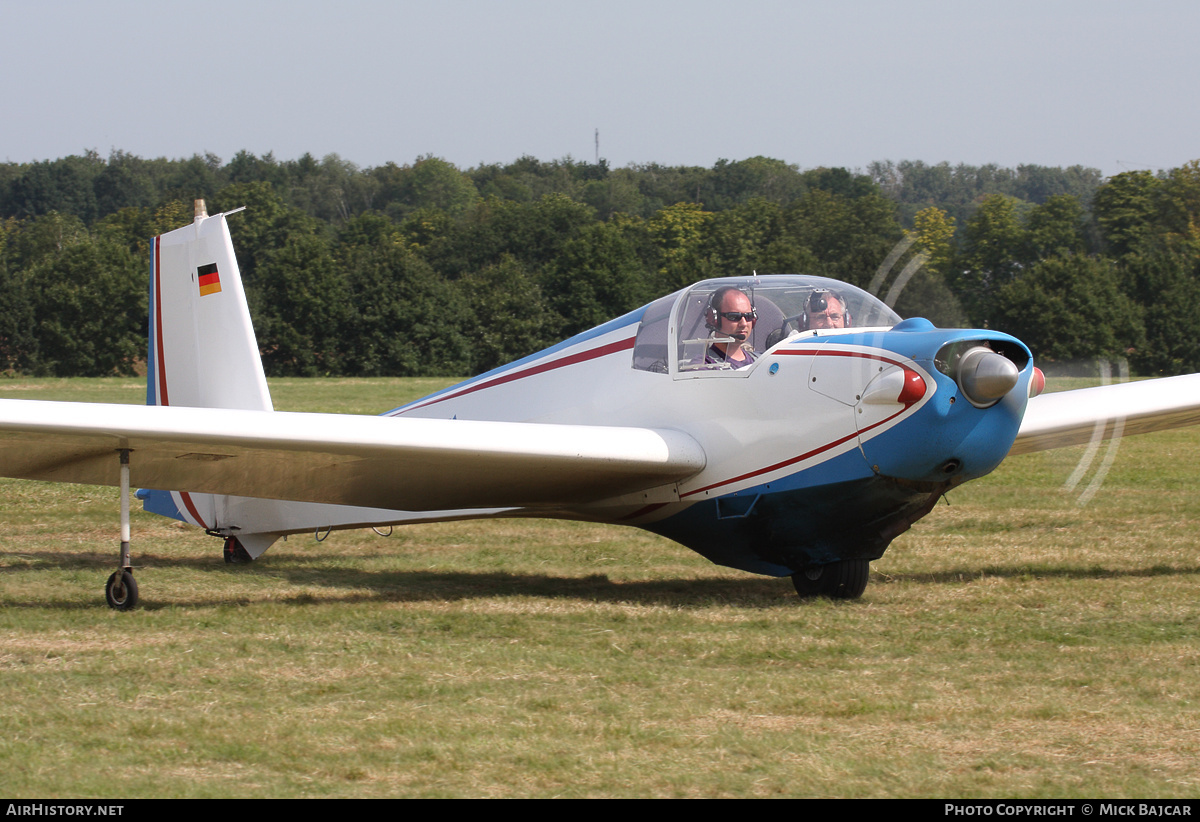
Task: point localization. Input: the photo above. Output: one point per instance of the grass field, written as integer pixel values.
(1013, 644)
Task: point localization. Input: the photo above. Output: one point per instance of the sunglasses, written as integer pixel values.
(734, 316)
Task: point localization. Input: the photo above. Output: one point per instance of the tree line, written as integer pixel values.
(427, 269)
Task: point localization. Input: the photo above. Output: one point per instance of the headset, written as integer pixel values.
(818, 302)
(712, 314)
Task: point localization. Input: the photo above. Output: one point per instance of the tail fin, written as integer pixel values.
(203, 352)
(202, 347)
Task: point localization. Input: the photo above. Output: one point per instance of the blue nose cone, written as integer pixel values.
(977, 385)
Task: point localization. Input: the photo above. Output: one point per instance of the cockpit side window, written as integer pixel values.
(650, 348)
(699, 327)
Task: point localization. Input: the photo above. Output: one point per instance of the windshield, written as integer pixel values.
(783, 304)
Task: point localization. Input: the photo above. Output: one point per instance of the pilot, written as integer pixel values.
(731, 317)
(826, 309)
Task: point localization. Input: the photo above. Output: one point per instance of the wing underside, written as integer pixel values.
(382, 462)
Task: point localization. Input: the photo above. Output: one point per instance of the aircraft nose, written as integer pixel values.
(984, 376)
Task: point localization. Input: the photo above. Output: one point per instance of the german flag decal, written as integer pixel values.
(210, 280)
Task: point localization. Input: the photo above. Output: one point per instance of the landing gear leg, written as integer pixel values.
(121, 590)
(846, 579)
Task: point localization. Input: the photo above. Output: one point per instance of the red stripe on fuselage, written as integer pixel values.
(573, 359)
(862, 355)
(191, 506)
(161, 371)
(827, 446)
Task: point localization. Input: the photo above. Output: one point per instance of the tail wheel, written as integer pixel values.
(846, 579)
(234, 553)
(121, 591)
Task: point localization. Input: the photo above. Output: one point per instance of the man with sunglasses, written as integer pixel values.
(731, 318)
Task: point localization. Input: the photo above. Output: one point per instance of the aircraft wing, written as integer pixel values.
(384, 462)
(1075, 417)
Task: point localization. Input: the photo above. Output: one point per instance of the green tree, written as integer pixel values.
(1057, 227)
(533, 233)
(90, 302)
(301, 308)
(992, 255)
(752, 236)
(847, 237)
(196, 178)
(430, 183)
(45, 236)
(1179, 204)
(509, 317)
(247, 168)
(1069, 308)
(664, 186)
(263, 227)
(135, 227)
(332, 190)
(18, 343)
(934, 232)
(678, 234)
(66, 186)
(1126, 211)
(596, 277)
(125, 182)
(925, 293)
(617, 193)
(733, 183)
(1166, 283)
(405, 320)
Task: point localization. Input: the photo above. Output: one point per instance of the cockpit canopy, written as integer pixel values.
(676, 330)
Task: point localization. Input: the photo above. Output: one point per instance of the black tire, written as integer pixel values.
(121, 591)
(846, 579)
(810, 583)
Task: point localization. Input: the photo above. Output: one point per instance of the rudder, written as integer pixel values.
(203, 352)
(202, 348)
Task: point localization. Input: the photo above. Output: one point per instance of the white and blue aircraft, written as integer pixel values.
(806, 462)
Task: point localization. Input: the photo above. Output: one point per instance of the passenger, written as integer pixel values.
(731, 317)
(826, 309)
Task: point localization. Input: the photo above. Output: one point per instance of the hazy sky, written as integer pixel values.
(1111, 85)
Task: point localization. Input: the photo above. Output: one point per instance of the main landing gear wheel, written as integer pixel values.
(121, 591)
(846, 579)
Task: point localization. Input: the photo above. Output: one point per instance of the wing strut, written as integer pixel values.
(121, 591)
